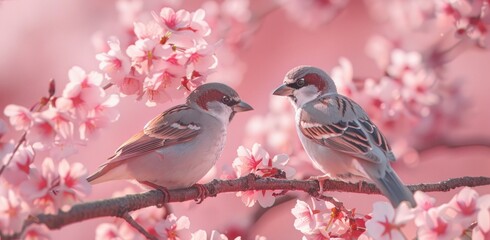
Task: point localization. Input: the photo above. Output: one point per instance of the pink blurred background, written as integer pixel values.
(44, 39)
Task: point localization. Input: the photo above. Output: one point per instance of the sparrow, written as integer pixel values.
(338, 135)
(179, 146)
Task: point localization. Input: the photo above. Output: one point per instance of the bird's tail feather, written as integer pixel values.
(394, 189)
(108, 171)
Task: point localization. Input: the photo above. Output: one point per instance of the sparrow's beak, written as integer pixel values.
(242, 107)
(283, 90)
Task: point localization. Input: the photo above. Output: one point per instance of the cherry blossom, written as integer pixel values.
(73, 186)
(323, 220)
(199, 24)
(82, 93)
(173, 21)
(130, 84)
(165, 57)
(424, 203)
(36, 232)
(469, 17)
(479, 234)
(110, 231)
(20, 117)
(61, 122)
(316, 234)
(343, 77)
(386, 222)
(482, 230)
(308, 219)
(49, 190)
(201, 58)
(174, 228)
(402, 61)
(249, 161)
(99, 117)
(19, 168)
(418, 92)
(13, 212)
(114, 62)
(146, 52)
(435, 226)
(149, 30)
(169, 58)
(462, 208)
(106, 109)
(42, 134)
(215, 235)
(155, 90)
(40, 187)
(258, 161)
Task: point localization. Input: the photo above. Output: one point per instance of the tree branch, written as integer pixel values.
(138, 227)
(118, 207)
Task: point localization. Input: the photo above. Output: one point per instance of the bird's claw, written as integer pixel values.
(320, 180)
(163, 190)
(202, 193)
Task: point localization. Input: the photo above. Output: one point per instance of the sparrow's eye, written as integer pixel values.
(226, 100)
(300, 82)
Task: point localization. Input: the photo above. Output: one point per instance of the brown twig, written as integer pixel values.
(116, 206)
(17, 146)
(138, 227)
(40, 105)
(107, 86)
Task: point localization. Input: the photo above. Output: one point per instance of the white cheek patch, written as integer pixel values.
(306, 94)
(220, 111)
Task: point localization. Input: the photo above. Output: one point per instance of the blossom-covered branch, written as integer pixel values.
(118, 207)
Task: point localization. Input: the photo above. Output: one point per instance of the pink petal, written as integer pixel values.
(76, 74)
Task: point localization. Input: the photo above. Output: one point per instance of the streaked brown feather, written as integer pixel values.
(351, 134)
(158, 133)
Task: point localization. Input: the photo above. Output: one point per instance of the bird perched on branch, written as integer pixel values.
(338, 135)
(179, 146)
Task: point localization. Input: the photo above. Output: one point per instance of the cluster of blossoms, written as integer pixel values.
(232, 23)
(411, 101)
(464, 18)
(163, 58)
(168, 53)
(169, 227)
(259, 162)
(157, 222)
(55, 127)
(322, 220)
(59, 123)
(465, 212)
